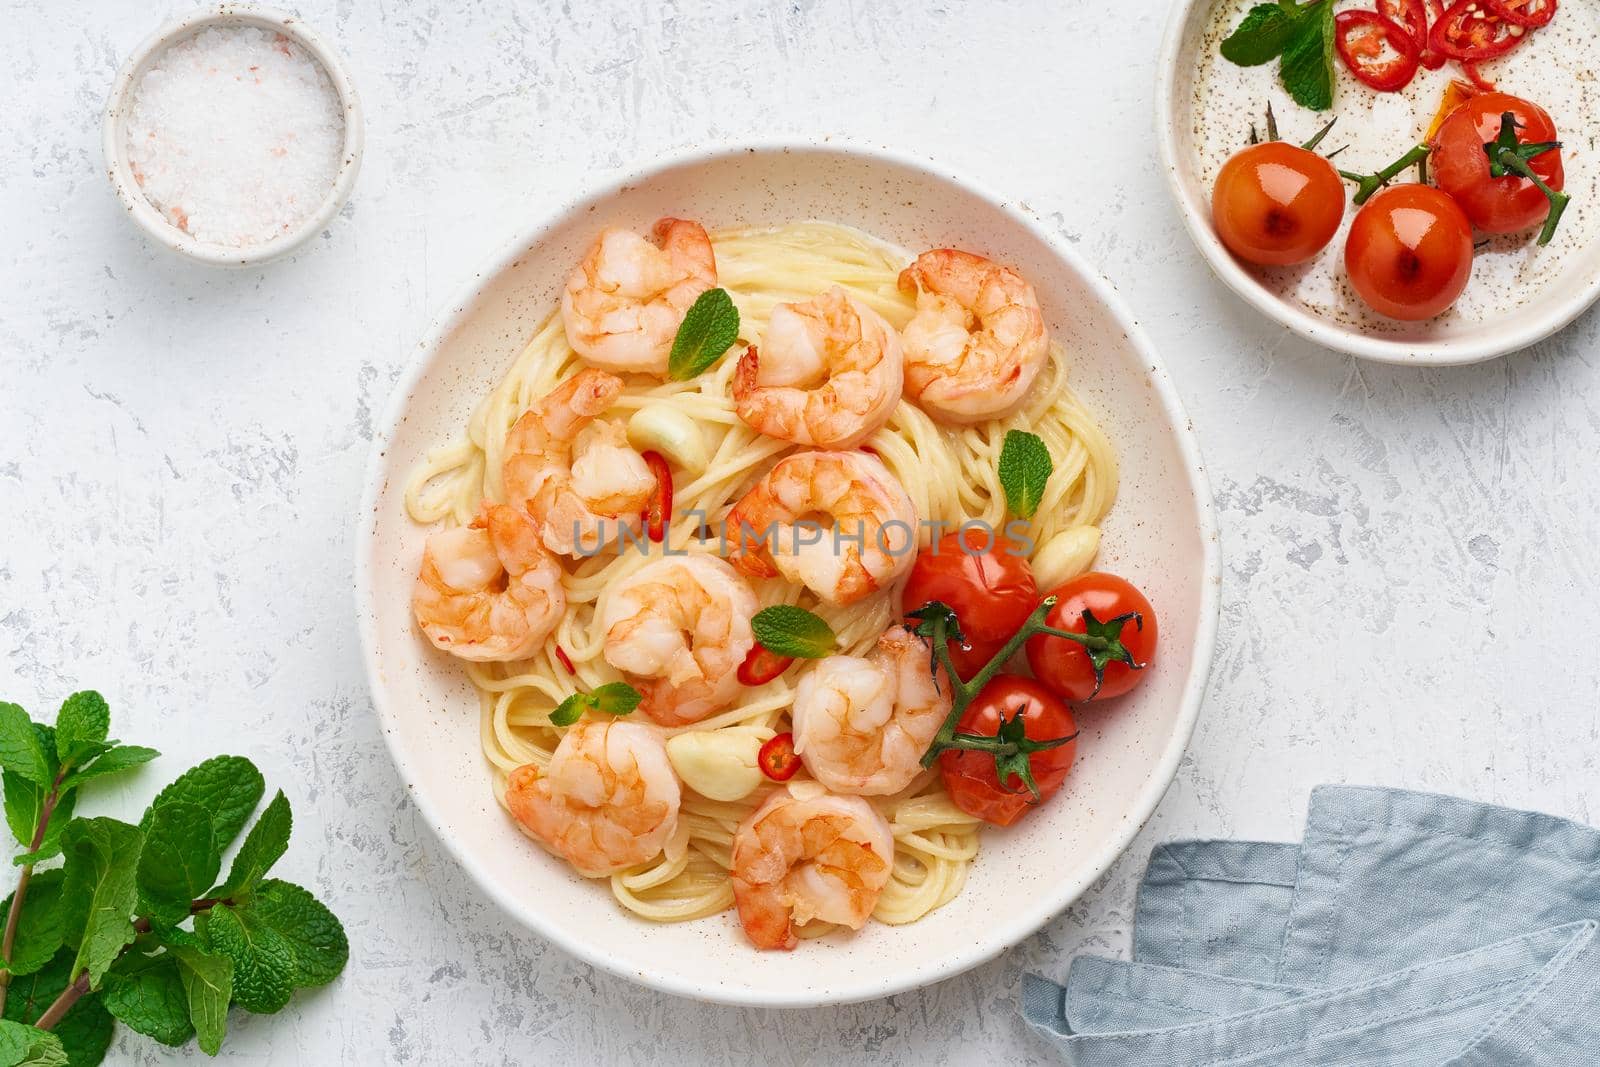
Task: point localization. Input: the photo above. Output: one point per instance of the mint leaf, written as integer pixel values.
(98, 891)
(1307, 69)
(24, 1046)
(147, 993)
(208, 985)
(265, 845)
(115, 760)
(39, 930)
(1025, 467)
(315, 933)
(229, 787)
(790, 631)
(81, 726)
(263, 960)
(614, 698)
(709, 328)
(1261, 36)
(85, 1031)
(22, 747)
(24, 804)
(179, 861)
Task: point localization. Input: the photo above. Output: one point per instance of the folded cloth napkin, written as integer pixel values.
(1406, 928)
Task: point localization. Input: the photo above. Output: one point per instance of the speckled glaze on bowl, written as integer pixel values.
(114, 137)
(1519, 293)
(1161, 534)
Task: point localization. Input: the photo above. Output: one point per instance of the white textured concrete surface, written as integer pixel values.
(1410, 554)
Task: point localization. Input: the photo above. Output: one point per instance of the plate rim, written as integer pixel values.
(1463, 350)
(447, 321)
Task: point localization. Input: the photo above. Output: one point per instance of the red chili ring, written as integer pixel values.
(1353, 34)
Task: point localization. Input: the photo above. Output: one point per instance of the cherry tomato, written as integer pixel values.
(973, 778)
(658, 513)
(1409, 254)
(985, 580)
(1461, 165)
(1380, 52)
(1467, 32)
(1110, 609)
(762, 666)
(1276, 204)
(1528, 13)
(777, 758)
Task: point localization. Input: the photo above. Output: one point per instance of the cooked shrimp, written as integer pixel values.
(576, 474)
(625, 301)
(869, 543)
(608, 800)
(795, 860)
(978, 339)
(861, 725)
(489, 591)
(828, 373)
(679, 627)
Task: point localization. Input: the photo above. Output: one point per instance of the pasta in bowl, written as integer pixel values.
(585, 503)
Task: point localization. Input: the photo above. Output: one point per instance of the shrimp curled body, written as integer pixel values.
(679, 627)
(794, 860)
(978, 339)
(625, 301)
(871, 539)
(489, 591)
(828, 373)
(575, 473)
(607, 802)
(861, 725)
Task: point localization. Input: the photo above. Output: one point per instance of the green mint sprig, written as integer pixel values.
(1300, 36)
(786, 630)
(709, 328)
(613, 698)
(1025, 467)
(102, 938)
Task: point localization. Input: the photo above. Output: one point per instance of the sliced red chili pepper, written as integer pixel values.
(1469, 33)
(777, 758)
(1431, 59)
(1529, 13)
(1409, 14)
(566, 660)
(1472, 71)
(658, 513)
(1377, 50)
(762, 666)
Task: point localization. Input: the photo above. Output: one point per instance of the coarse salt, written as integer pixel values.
(235, 135)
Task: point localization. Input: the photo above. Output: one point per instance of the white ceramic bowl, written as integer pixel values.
(1519, 294)
(1161, 534)
(115, 140)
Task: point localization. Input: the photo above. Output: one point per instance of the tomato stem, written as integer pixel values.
(963, 693)
(1311, 145)
(1558, 201)
(1368, 184)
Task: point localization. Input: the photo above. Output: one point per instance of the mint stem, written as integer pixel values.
(1558, 201)
(63, 1004)
(10, 940)
(1371, 183)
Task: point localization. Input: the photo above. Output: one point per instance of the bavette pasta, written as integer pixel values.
(948, 472)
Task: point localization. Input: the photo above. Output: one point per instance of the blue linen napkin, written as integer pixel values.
(1407, 928)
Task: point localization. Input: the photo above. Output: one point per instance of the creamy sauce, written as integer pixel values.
(1556, 70)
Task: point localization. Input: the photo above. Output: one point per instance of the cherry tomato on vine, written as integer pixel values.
(1409, 253)
(1121, 626)
(1461, 165)
(1276, 204)
(974, 779)
(985, 580)
(1379, 51)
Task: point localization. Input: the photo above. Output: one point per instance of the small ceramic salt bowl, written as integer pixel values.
(115, 136)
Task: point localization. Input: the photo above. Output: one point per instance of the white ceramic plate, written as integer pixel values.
(1161, 534)
(1519, 293)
